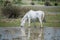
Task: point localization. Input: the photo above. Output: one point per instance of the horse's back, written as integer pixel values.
(34, 14)
(40, 12)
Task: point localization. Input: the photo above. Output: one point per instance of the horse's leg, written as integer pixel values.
(29, 22)
(29, 28)
(41, 30)
(33, 22)
(40, 20)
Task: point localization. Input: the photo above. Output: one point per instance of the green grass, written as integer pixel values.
(50, 21)
(53, 17)
(15, 23)
(52, 24)
(49, 17)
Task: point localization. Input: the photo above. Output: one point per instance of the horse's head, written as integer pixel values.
(23, 21)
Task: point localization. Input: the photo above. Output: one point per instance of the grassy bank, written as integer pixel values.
(52, 20)
(52, 17)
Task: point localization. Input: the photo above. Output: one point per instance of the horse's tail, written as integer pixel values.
(44, 20)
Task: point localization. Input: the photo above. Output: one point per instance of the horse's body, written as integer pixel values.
(32, 15)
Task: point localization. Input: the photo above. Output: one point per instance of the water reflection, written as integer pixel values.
(17, 33)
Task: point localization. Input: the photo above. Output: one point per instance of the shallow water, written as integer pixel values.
(51, 33)
(10, 33)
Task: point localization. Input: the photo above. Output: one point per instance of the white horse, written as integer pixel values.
(32, 15)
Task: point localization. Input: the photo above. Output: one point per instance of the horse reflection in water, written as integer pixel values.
(33, 15)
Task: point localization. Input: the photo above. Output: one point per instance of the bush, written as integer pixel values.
(32, 3)
(56, 4)
(48, 4)
(11, 11)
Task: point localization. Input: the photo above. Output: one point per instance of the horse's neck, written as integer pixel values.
(25, 16)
